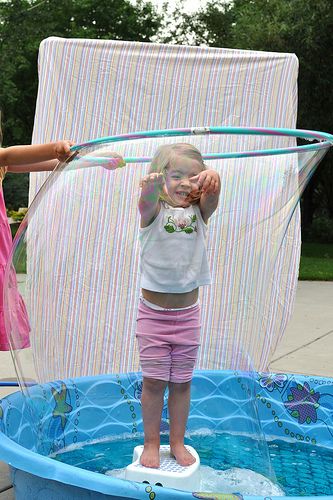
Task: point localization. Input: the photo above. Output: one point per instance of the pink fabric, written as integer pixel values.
(17, 315)
(168, 342)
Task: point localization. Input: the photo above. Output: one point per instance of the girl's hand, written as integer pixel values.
(114, 160)
(154, 182)
(108, 160)
(208, 181)
(149, 205)
(194, 196)
(62, 150)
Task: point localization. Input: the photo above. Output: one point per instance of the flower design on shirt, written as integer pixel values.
(183, 224)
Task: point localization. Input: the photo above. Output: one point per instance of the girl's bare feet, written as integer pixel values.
(150, 456)
(182, 455)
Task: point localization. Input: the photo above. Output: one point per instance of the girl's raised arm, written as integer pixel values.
(149, 203)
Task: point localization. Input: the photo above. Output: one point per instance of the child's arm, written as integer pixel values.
(34, 158)
(210, 185)
(42, 166)
(149, 204)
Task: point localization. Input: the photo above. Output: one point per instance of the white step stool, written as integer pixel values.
(169, 474)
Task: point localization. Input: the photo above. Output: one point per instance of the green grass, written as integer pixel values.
(21, 268)
(316, 262)
(21, 257)
(20, 262)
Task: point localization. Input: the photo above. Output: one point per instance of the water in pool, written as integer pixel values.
(300, 469)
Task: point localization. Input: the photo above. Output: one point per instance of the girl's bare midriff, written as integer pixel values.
(171, 300)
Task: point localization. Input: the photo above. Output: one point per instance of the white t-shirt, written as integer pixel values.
(173, 251)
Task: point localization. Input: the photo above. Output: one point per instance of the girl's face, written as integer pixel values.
(179, 179)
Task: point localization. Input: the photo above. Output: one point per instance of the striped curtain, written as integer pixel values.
(89, 89)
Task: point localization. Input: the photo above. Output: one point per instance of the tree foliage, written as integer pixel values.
(23, 25)
(300, 26)
(39, 19)
(303, 27)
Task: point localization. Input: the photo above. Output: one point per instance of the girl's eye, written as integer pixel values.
(175, 176)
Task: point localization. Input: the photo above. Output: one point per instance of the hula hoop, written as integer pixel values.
(324, 139)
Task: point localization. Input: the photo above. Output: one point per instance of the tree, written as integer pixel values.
(24, 24)
(298, 26)
(212, 25)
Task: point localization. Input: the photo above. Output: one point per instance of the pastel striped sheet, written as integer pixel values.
(82, 324)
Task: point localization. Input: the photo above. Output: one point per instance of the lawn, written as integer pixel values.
(316, 262)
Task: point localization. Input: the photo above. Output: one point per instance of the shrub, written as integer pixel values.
(320, 231)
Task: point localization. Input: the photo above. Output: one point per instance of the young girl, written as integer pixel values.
(22, 159)
(177, 198)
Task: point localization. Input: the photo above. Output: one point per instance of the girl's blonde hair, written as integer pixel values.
(165, 155)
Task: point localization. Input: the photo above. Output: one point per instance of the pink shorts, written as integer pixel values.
(168, 342)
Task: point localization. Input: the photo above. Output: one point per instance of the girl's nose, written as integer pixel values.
(185, 181)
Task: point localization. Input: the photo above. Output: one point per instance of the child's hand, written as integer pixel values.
(62, 150)
(194, 196)
(153, 182)
(112, 160)
(108, 160)
(151, 187)
(208, 181)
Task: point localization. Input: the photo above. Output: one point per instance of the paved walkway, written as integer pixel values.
(307, 347)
